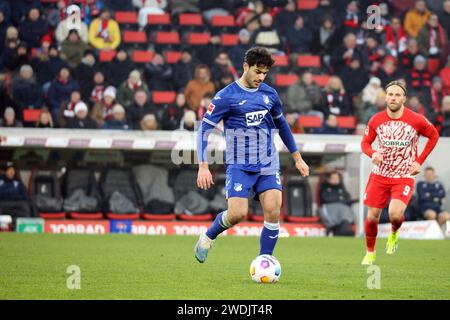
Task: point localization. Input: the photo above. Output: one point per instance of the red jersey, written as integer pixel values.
(398, 142)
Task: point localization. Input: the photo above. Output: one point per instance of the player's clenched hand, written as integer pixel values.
(377, 158)
(302, 167)
(415, 168)
(204, 178)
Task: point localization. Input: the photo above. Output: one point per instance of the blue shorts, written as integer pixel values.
(239, 182)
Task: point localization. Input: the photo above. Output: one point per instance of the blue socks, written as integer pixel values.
(219, 225)
(269, 237)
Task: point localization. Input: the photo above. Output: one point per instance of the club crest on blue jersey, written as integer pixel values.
(255, 118)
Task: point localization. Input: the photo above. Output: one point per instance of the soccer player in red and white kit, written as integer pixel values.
(396, 163)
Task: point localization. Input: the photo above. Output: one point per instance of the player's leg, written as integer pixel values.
(376, 197)
(268, 192)
(238, 184)
(401, 195)
(271, 205)
(430, 214)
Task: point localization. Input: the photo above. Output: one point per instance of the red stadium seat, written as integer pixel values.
(198, 217)
(86, 216)
(123, 17)
(117, 216)
(107, 55)
(198, 38)
(158, 217)
(160, 97)
(285, 80)
(322, 79)
(158, 19)
(142, 56)
(31, 115)
(163, 37)
(190, 19)
(289, 218)
(280, 60)
(229, 39)
(309, 121)
(52, 215)
(308, 61)
(346, 122)
(223, 21)
(172, 56)
(134, 37)
(307, 4)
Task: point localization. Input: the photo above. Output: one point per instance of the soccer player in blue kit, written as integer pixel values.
(251, 111)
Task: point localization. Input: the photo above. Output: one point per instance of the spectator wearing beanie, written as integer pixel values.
(81, 119)
(118, 121)
(407, 57)
(26, 92)
(126, 91)
(102, 110)
(149, 122)
(104, 32)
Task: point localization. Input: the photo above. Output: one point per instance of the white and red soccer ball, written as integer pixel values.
(265, 269)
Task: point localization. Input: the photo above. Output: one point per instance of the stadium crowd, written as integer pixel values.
(45, 65)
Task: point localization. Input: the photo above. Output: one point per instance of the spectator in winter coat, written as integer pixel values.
(104, 32)
(431, 194)
(14, 199)
(67, 109)
(33, 28)
(102, 110)
(26, 92)
(303, 96)
(184, 70)
(432, 38)
(159, 74)
(119, 68)
(60, 90)
(416, 18)
(72, 49)
(237, 52)
(197, 87)
(172, 116)
(334, 99)
(127, 90)
(118, 121)
(140, 108)
(82, 120)
(9, 119)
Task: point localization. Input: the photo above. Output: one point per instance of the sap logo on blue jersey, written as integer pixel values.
(255, 118)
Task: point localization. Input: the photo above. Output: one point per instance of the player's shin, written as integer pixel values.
(269, 237)
(220, 224)
(371, 228)
(396, 223)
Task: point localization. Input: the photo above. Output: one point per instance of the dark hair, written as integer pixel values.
(399, 83)
(429, 168)
(258, 56)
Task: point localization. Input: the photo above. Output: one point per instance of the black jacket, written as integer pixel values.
(333, 193)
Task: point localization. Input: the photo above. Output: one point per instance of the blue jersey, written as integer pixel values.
(249, 117)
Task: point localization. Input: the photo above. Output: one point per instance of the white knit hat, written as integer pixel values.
(110, 91)
(80, 106)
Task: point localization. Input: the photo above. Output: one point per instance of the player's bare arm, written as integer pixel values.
(300, 164)
(204, 178)
(377, 158)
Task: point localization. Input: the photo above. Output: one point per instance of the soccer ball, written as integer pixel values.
(265, 269)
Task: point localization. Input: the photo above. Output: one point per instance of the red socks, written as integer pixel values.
(396, 224)
(371, 229)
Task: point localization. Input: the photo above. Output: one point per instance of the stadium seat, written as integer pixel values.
(85, 216)
(161, 97)
(126, 17)
(195, 38)
(307, 4)
(346, 122)
(308, 61)
(120, 180)
(321, 79)
(158, 19)
(229, 39)
(45, 194)
(163, 37)
(223, 21)
(142, 56)
(134, 37)
(106, 55)
(158, 217)
(305, 121)
(298, 198)
(280, 60)
(190, 19)
(285, 80)
(197, 217)
(172, 56)
(31, 115)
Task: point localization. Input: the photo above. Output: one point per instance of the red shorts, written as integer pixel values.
(379, 190)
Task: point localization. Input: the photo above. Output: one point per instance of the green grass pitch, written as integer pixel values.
(34, 266)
